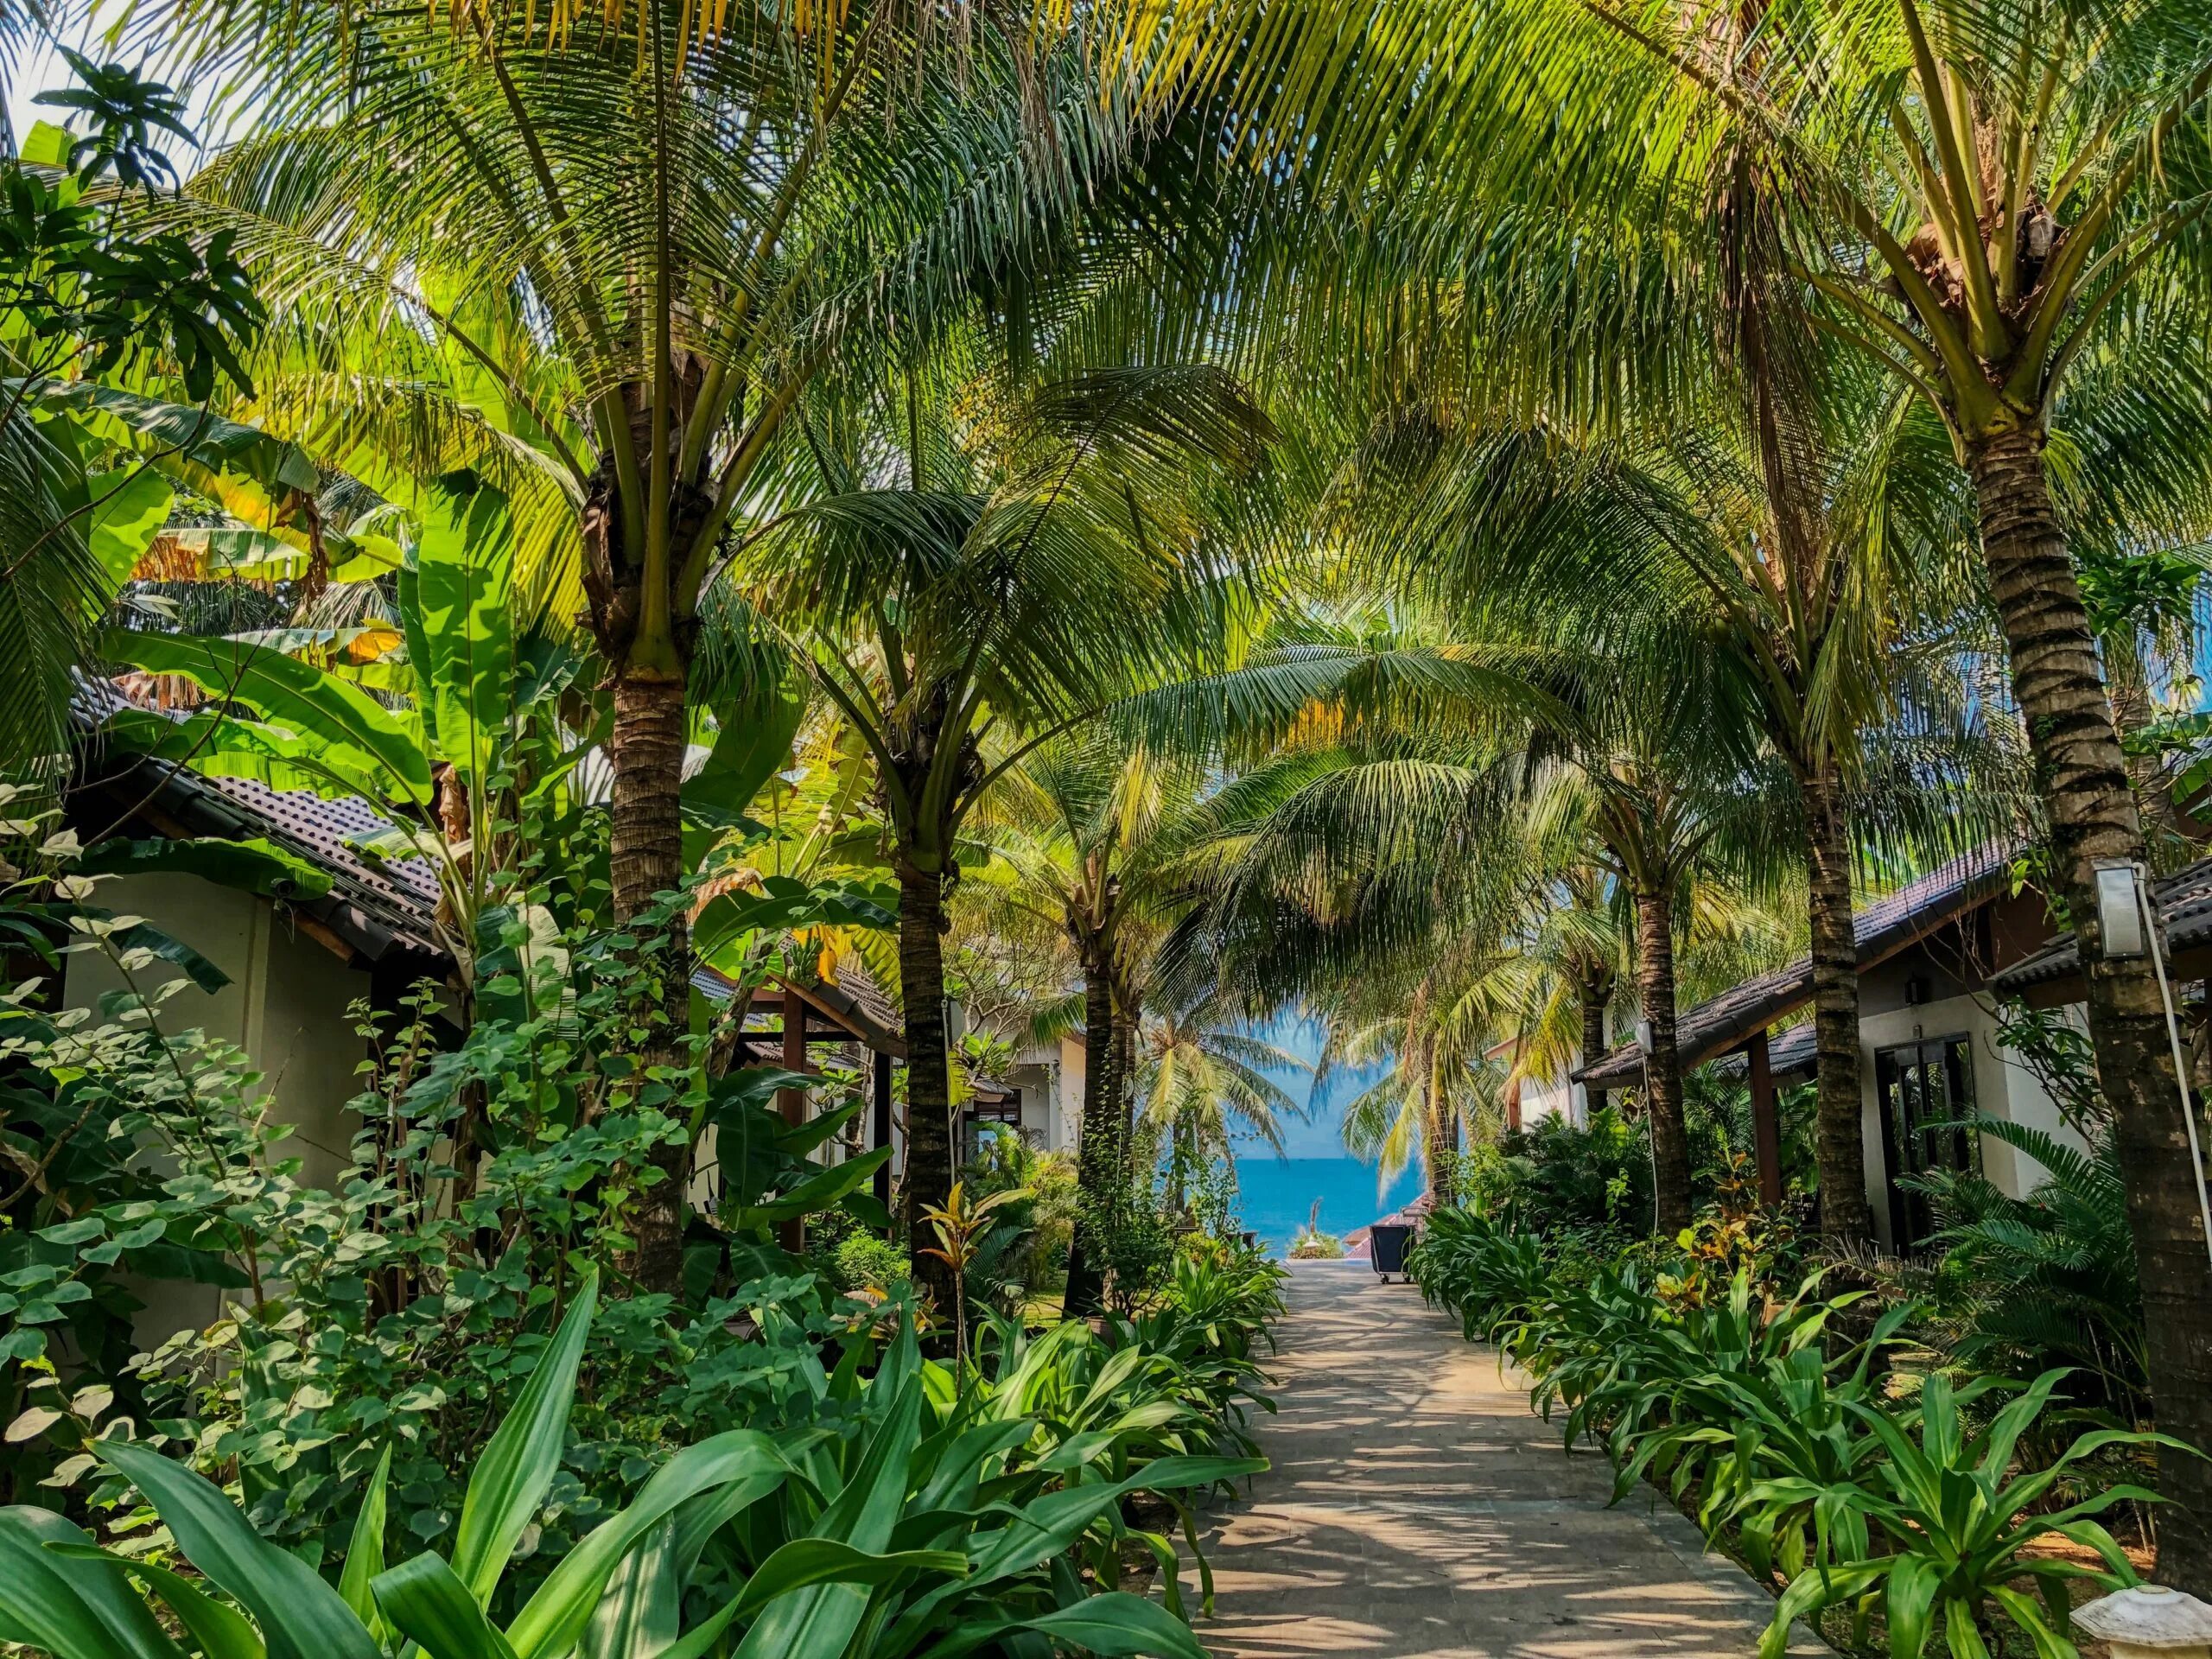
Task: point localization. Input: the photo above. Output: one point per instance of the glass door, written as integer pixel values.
(1925, 1090)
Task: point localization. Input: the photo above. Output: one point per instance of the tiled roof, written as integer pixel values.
(1880, 930)
(855, 1002)
(868, 997)
(374, 907)
(1793, 1053)
(2184, 901)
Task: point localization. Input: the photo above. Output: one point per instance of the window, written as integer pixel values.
(988, 1117)
(1925, 1092)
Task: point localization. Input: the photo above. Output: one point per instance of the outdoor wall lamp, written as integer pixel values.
(2120, 908)
(2149, 1622)
(2126, 928)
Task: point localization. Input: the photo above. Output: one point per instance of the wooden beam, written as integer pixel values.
(791, 1234)
(882, 1081)
(324, 937)
(1766, 1122)
(818, 1038)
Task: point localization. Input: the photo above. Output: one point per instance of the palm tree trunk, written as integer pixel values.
(1840, 1145)
(1098, 1151)
(2082, 777)
(1662, 1072)
(929, 1079)
(645, 858)
(1439, 1135)
(1125, 1083)
(1594, 991)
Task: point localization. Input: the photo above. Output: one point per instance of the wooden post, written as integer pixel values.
(791, 1235)
(882, 1081)
(1766, 1123)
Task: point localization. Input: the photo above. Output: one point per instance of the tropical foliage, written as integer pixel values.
(1781, 1424)
(1054, 538)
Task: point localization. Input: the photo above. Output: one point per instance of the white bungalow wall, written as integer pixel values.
(1553, 1097)
(285, 1005)
(2003, 1087)
(1050, 1077)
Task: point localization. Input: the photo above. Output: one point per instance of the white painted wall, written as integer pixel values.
(2003, 1087)
(285, 1005)
(1553, 1097)
(1050, 1077)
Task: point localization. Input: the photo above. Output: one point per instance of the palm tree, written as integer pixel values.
(1475, 748)
(1440, 1087)
(1084, 833)
(1978, 200)
(1033, 561)
(1574, 960)
(1652, 816)
(1839, 616)
(620, 255)
(1200, 1076)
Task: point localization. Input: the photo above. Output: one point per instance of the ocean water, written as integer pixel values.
(1275, 1194)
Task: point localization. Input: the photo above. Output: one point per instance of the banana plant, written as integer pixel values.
(488, 719)
(479, 732)
(887, 1531)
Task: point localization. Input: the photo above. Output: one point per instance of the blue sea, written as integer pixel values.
(1274, 1195)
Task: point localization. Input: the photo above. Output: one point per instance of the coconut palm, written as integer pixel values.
(982, 567)
(1439, 1087)
(614, 259)
(1084, 835)
(1985, 203)
(1842, 618)
(1201, 1077)
(1574, 960)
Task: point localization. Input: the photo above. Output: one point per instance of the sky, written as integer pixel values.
(43, 69)
(1317, 1136)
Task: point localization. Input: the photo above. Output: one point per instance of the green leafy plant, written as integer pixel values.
(874, 1522)
(1788, 1439)
(863, 1262)
(1957, 1522)
(961, 1225)
(2026, 1284)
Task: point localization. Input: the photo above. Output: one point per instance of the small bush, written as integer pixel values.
(864, 1262)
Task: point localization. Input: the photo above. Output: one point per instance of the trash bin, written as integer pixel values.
(1386, 1243)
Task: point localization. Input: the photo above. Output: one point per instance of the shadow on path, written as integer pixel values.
(1416, 1506)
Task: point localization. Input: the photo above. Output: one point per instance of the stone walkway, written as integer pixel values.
(1416, 1506)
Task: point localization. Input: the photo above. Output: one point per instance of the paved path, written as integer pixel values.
(1417, 1506)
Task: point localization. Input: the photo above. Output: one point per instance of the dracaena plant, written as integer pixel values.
(871, 1529)
(1956, 1524)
